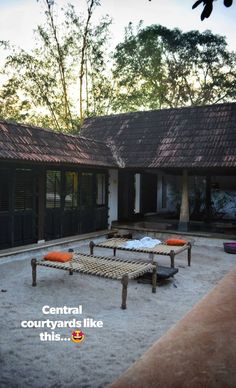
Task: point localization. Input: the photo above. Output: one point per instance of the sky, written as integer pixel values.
(18, 18)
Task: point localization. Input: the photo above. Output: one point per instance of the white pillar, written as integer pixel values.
(112, 197)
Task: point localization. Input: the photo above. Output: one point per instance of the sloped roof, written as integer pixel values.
(28, 143)
(201, 137)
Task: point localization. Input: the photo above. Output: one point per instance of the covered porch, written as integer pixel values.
(201, 201)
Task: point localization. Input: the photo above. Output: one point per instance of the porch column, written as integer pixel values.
(208, 198)
(184, 209)
(112, 197)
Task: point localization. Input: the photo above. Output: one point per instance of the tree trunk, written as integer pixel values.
(82, 62)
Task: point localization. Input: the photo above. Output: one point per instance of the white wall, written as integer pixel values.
(113, 196)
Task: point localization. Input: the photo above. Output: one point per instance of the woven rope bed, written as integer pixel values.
(160, 249)
(108, 267)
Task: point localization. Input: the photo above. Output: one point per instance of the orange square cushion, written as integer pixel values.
(62, 257)
(176, 242)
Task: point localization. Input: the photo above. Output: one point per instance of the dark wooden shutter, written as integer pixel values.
(4, 190)
(23, 191)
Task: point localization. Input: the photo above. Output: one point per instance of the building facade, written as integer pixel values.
(51, 185)
(122, 166)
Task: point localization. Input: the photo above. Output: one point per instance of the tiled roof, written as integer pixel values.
(34, 144)
(193, 137)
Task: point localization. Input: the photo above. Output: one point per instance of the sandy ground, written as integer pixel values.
(106, 352)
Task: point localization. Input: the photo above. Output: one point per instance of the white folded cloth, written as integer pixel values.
(145, 242)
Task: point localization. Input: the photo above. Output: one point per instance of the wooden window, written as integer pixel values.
(4, 190)
(53, 190)
(71, 197)
(100, 189)
(86, 186)
(23, 190)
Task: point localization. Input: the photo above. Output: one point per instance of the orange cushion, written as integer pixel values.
(63, 257)
(175, 241)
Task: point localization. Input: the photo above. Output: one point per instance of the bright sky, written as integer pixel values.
(18, 18)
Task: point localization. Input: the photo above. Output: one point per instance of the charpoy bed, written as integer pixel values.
(160, 249)
(108, 267)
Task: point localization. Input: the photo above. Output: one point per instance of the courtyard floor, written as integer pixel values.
(106, 352)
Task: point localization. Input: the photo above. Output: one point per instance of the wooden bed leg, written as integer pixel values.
(189, 253)
(151, 257)
(91, 246)
(124, 282)
(172, 259)
(34, 265)
(154, 278)
(71, 270)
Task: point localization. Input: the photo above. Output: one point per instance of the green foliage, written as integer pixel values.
(71, 73)
(96, 57)
(49, 78)
(12, 107)
(158, 67)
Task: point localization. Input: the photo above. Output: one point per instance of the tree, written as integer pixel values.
(92, 54)
(91, 6)
(60, 76)
(157, 67)
(59, 52)
(12, 107)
